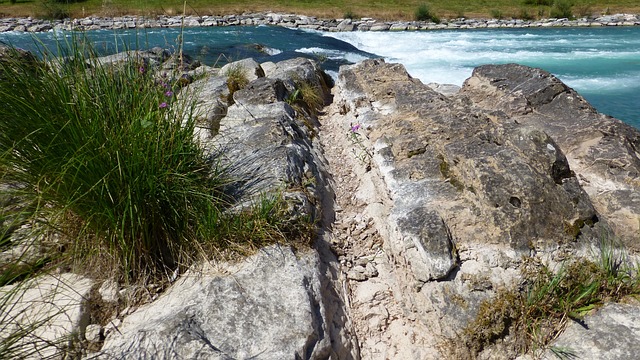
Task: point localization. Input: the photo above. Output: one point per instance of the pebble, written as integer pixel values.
(300, 21)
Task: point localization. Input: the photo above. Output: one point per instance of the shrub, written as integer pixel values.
(236, 80)
(349, 15)
(561, 9)
(538, 311)
(496, 14)
(424, 14)
(107, 158)
(525, 15)
(54, 10)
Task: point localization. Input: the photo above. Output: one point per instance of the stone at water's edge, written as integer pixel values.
(603, 151)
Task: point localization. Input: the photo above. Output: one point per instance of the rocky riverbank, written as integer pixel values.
(301, 22)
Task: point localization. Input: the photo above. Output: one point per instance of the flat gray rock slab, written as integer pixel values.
(612, 333)
(266, 307)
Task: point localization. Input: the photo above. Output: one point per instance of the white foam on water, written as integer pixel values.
(333, 54)
(603, 84)
(450, 56)
(271, 51)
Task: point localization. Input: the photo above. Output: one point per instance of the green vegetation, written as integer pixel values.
(385, 9)
(306, 98)
(535, 313)
(236, 80)
(102, 175)
(108, 160)
(424, 14)
(349, 15)
(561, 9)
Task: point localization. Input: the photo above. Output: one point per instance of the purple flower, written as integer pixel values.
(355, 127)
(141, 69)
(163, 105)
(169, 93)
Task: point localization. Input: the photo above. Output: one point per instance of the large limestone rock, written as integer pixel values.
(603, 151)
(459, 174)
(269, 306)
(459, 194)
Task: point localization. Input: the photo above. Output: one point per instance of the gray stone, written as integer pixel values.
(293, 71)
(48, 312)
(611, 333)
(249, 67)
(445, 89)
(345, 25)
(93, 333)
(379, 27)
(268, 307)
(109, 291)
(429, 244)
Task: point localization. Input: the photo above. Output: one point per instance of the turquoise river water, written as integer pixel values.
(602, 64)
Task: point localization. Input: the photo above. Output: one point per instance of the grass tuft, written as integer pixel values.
(110, 161)
(423, 13)
(236, 80)
(561, 9)
(533, 315)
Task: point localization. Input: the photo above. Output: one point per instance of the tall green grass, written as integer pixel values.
(110, 158)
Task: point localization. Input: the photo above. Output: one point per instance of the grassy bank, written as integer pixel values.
(380, 9)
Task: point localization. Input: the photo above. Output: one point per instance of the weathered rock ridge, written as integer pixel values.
(462, 188)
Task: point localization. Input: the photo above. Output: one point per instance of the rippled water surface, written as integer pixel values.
(603, 64)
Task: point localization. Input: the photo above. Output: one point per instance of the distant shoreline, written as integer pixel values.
(301, 22)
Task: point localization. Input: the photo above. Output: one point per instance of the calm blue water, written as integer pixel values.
(602, 64)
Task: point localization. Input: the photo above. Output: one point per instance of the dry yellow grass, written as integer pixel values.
(379, 9)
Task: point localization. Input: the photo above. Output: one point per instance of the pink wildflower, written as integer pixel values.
(355, 127)
(163, 105)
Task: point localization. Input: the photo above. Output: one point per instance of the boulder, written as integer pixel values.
(298, 70)
(269, 306)
(248, 67)
(152, 57)
(601, 150)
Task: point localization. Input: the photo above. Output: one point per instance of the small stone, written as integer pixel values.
(109, 291)
(93, 333)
